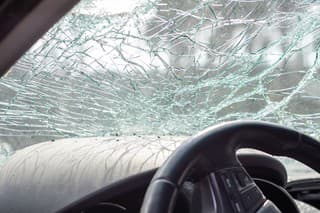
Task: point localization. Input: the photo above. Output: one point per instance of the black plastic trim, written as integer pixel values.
(29, 29)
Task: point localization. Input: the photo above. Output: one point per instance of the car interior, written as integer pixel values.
(211, 171)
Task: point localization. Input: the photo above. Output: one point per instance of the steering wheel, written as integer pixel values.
(225, 184)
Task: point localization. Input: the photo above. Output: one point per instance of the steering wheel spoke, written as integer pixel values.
(227, 190)
(238, 190)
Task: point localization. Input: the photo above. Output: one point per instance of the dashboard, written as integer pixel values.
(127, 196)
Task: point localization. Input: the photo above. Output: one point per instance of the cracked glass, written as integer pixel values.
(167, 68)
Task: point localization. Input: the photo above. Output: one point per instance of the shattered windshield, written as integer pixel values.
(165, 68)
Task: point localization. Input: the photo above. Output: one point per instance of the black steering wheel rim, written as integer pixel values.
(216, 147)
